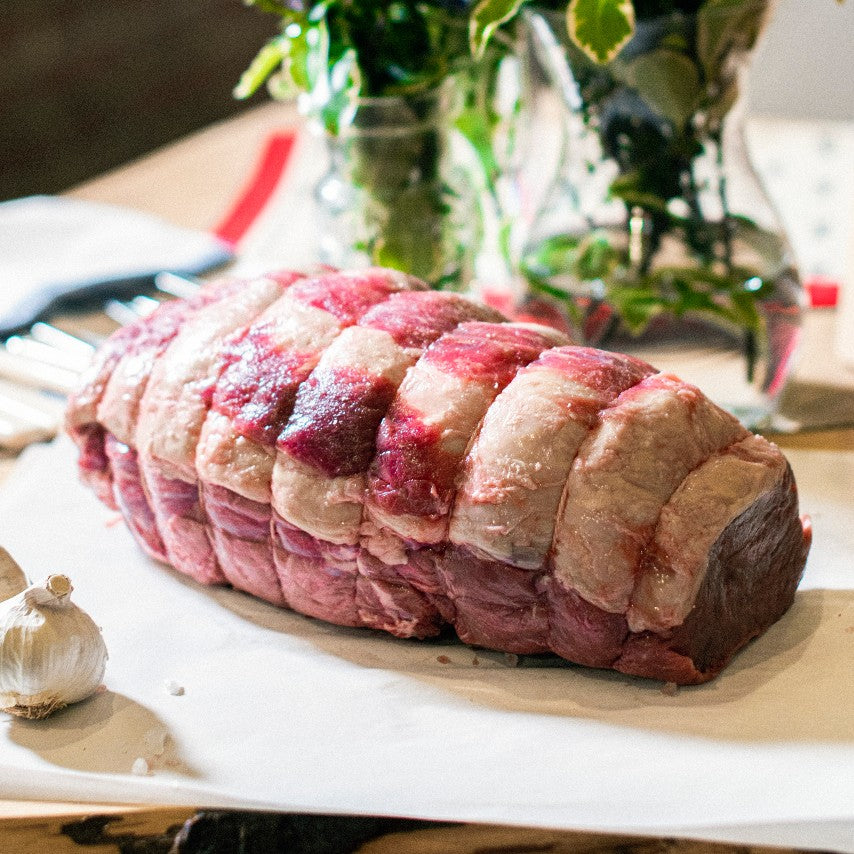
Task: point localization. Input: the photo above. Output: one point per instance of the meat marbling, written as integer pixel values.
(171, 416)
(122, 367)
(371, 453)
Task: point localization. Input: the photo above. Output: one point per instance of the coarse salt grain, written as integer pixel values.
(140, 767)
(176, 689)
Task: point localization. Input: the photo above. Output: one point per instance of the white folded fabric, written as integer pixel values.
(54, 249)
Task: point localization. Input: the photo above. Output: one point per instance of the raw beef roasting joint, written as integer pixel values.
(365, 451)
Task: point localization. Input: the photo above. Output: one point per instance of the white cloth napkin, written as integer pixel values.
(54, 249)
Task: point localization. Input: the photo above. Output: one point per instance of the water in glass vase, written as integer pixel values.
(657, 237)
(392, 195)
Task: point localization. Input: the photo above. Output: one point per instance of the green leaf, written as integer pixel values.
(597, 258)
(636, 306)
(700, 291)
(317, 54)
(586, 258)
(717, 108)
(600, 27)
(628, 188)
(744, 307)
(766, 244)
(486, 18)
(266, 61)
(412, 231)
(732, 281)
(668, 81)
(298, 66)
(553, 256)
(343, 84)
(723, 25)
(544, 286)
(475, 127)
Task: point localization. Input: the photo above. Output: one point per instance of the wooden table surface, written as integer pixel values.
(191, 183)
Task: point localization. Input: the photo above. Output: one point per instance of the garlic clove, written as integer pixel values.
(12, 578)
(51, 651)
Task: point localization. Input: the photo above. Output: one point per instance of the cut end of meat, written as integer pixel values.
(727, 488)
(644, 444)
(365, 451)
(751, 576)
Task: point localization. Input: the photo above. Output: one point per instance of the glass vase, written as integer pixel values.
(656, 237)
(392, 196)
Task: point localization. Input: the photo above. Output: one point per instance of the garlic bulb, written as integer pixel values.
(12, 578)
(51, 651)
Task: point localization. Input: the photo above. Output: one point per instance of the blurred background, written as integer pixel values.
(89, 85)
(805, 65)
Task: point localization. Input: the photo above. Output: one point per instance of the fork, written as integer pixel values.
(40, 367)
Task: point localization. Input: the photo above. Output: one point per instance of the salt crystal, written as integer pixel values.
(176, 689)
(139, 767)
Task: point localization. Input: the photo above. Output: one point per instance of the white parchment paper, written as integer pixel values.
(285, 712)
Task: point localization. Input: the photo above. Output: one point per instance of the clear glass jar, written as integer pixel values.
(657, 237)
(392, 195)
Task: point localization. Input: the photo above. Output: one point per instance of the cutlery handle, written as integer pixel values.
(52, 299)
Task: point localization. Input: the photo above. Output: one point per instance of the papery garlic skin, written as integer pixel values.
(51, 651)
(12, 578)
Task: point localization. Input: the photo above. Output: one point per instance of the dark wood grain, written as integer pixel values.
(182, 831)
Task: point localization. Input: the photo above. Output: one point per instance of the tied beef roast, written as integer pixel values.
(366, 451)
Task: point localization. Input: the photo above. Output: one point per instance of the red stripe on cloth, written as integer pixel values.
(822, 292)
(255, 195)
